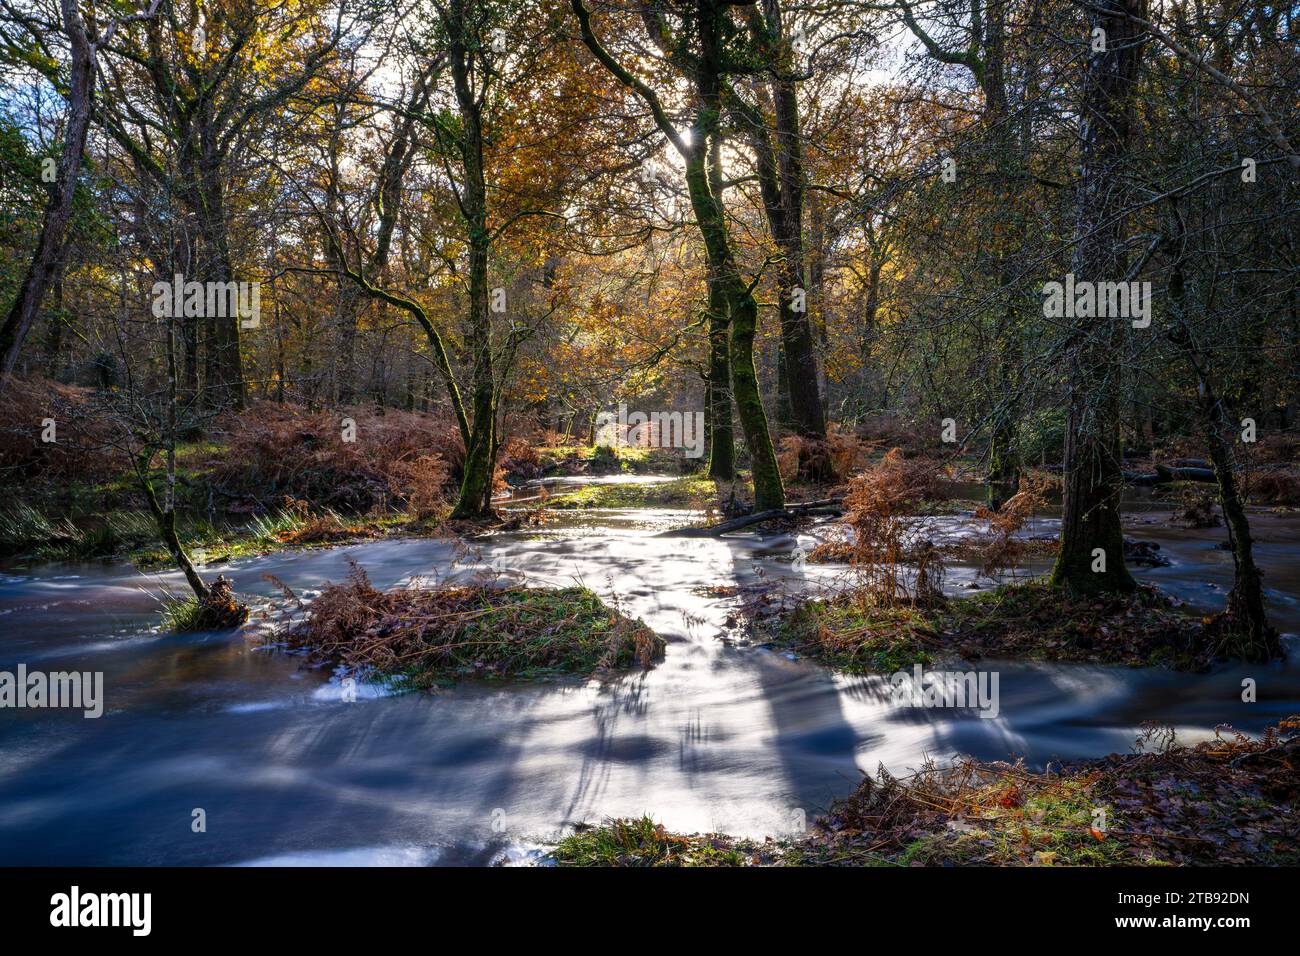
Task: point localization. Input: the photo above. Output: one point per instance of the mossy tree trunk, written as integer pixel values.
(706, 73)
(1245, 611)
(1091, 557)
(778, 148)
(743, 309)
(768, 490)
(165, 518)
(722, 440)
(741, 304)
(475, 499)
(164, 512)
(223, 386)
(722, 433)
(1246, 599)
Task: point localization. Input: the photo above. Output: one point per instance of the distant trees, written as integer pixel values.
(188, 95)
(518, 212)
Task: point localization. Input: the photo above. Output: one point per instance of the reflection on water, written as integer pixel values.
(716, 737)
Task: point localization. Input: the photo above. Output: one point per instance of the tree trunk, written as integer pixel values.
(1090, 521)
(480, 454)
(707, 208)
(1004, 458)
(784, 412)
(53, 345)
(816, 286)
(1246, 599)
(722, 439)
(722, 432)
(164, 513)
(47, 259)
(166, 522)
(1246, 616)
(741, 304)
(347, 295)
(224, 377)
(781, 180)
(768, 492)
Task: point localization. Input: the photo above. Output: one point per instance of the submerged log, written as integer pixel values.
(1141, 478)
(1167, 473)
(1184, 474)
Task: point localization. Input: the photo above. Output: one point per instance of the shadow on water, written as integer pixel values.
(718, 736)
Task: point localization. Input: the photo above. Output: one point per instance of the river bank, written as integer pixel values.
(1231, 800)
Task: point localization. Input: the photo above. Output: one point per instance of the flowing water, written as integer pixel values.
(719, 736)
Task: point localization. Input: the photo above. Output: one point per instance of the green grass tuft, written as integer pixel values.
(690, 491)
(856, 637)
(642, 842)
(419, 637)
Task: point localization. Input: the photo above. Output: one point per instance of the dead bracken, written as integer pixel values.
(422, 636)
(1231, 799)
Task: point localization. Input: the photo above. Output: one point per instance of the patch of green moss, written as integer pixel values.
(854, 636)
(1024, 621)
(1052, 827)
(690, 491)
(623, 458)
(528, 633)
(642, 842)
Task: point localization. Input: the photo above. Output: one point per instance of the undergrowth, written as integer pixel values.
(421, 636)
(220, 610)
(1228, 800)
(644, 843)
(1029, 620)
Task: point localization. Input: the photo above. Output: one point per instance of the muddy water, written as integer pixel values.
(718, 736)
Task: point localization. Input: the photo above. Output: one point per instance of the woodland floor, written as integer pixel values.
(1231, 800)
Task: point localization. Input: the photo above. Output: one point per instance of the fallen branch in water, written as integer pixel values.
(1164, 474)
(1183, 474)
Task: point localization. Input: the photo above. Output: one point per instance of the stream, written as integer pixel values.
(719, 736)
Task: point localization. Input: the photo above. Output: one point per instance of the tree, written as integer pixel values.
(777, 144)
(1091, 556)
(188, 99)
(704, 64)
(85, 42)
